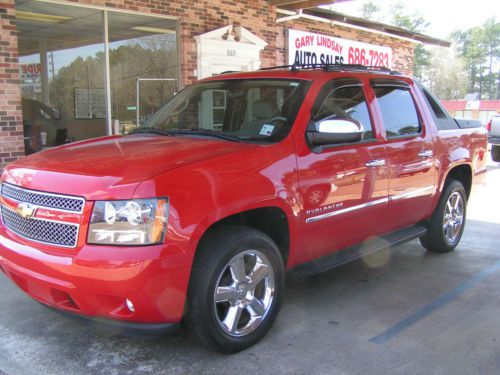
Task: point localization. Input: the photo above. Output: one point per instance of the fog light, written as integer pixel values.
(130, 305)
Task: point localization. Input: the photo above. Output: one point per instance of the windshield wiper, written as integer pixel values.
(205, 132)
(192, 131)
(151, 131)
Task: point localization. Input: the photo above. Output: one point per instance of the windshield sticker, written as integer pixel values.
(266, 130)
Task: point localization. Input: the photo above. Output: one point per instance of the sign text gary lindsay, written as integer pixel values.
(305, 48)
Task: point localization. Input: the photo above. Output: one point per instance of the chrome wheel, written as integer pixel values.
(453, 220)
(244, 293)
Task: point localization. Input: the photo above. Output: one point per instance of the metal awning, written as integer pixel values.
(309, 9)
(301, 4)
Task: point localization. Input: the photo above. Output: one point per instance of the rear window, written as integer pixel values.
(398, 111)
(442, 119)
(435, 108)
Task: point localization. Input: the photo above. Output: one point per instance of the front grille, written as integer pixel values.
(50, 232)
(55, 201)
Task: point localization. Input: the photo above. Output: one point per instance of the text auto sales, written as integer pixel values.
(310, 58)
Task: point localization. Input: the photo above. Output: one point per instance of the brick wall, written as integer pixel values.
(11, 127)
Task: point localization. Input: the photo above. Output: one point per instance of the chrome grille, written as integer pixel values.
(56, 201)
(50, 232)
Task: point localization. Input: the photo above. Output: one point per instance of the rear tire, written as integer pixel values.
(236, 288)
(448, 220)
(495, 153)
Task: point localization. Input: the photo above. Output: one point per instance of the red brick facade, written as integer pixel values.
(196, 17)
(11, 127)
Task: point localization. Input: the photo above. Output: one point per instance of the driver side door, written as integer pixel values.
(343, 187)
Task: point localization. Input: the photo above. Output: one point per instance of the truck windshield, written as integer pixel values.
(255, 110)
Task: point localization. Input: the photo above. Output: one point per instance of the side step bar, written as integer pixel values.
(349, 254)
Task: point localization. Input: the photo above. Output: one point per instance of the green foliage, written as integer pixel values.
(415, 23)
(445, 76)
(370, 11)
(479, 47)
(412, 22)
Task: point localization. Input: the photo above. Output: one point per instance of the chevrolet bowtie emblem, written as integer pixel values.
(25, 210)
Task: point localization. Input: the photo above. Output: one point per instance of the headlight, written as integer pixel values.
(133, 222)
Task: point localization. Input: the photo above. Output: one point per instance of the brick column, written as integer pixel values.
(11, 125)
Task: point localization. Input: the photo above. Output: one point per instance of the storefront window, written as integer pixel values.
(62, 55)
(141, 48)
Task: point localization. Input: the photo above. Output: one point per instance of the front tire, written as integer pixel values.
(448, 220)
(236, 288)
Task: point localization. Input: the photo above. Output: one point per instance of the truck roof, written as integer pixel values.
(312, 72)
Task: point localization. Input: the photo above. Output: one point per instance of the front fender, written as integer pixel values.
(207, 192)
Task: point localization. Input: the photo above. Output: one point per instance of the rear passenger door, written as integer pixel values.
(410, 153)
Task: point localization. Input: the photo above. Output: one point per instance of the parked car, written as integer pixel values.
(178, 222)
(494, 136)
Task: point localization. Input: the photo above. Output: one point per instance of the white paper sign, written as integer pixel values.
(305, 48)
(266, 130)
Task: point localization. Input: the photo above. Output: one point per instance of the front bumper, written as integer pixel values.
(94, 281)
(121, 327)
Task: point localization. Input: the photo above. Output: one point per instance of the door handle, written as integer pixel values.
(375, 163)
(425, 154)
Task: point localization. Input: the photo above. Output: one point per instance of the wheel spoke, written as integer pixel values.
(256, 308)
(448, 231)
(233, 318)
(224, 293)
(457, 202)
(237, 267)
(446, 223)
(449, 206)
(259, 272)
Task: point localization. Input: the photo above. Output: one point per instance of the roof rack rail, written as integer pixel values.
(292, 67)
(335, 67)
(229, 71)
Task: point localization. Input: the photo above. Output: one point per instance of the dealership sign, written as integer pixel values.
(305, 48)
(31, 76)
(30, 71)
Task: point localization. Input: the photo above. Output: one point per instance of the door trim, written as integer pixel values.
(346, 210)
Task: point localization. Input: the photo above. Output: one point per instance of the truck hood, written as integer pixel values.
(111, 167)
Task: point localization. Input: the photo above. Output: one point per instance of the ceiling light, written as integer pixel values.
(41, 17)
(154, 30)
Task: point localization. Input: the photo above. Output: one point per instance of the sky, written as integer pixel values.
(444, 16)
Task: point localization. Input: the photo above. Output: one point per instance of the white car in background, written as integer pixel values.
(493, 127)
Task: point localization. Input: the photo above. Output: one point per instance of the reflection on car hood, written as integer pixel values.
(112, 167)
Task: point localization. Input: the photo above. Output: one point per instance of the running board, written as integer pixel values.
(349, 254)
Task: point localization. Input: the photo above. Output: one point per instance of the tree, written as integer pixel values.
(491, 40)
(446, 75)
(370, 11)
(415, 23)
(479, 47)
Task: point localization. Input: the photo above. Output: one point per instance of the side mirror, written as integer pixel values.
(333, 131)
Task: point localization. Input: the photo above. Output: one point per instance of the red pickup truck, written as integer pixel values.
(196, 216)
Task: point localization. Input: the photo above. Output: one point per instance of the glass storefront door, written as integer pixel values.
(62, 55)
(142, 48)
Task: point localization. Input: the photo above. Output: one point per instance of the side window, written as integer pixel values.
(398, 111)
(436, 109)
(345, 98)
